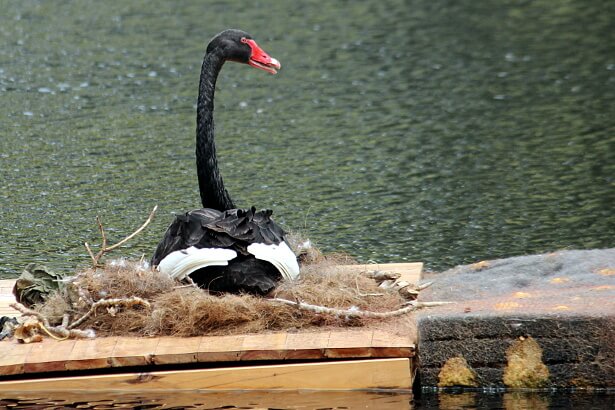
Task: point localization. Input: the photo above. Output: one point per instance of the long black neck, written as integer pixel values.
(213, 193)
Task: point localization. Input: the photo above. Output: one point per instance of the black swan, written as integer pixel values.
(222, 248)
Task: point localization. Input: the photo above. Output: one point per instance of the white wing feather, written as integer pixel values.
(182, 263)
(280, 256)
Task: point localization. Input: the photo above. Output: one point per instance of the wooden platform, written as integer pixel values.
(66, 355)
(309, 360)
(6, 297)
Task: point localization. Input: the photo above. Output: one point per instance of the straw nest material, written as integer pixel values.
(153, 304)
(130, 298)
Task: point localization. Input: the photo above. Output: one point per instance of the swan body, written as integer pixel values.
(220, 247)
(238, 250)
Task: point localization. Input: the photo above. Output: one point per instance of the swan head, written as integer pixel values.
(239, 46)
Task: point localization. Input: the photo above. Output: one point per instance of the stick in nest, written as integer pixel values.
(356, 312)
(65, 331)
(130, 302)
(104, 248)
(56, 332)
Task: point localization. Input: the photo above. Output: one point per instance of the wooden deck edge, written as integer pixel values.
(411, 272)
(345, 375)
(70, 355)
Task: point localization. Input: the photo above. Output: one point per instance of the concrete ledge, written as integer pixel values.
(564, 301)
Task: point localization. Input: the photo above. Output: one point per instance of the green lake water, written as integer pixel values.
(421, 130)
(429, 130)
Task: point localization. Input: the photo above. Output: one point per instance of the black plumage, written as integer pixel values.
(219, 224)
(233, 229)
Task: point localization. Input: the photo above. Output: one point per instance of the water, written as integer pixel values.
(431, 130)
(212, 400)
(311, 400)
(446, 132)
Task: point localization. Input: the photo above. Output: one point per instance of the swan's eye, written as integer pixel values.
(244, 40)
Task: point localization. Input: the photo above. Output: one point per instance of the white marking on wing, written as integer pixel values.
(182, 263)
(280, 256)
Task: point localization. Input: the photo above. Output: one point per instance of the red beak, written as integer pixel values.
(260, 59)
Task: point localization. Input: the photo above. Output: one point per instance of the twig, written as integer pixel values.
(191, 282)
(380, 276)
(132, 301)
(29, 312)
(135, 233)
(56, 332)
(82, 334)
(356, 312)
(361, 294)
(387, 284)
(49, 332)
(102, 232)
(424, 286)
(67, 334)
(104, 248)
(408, 293)
(84, 295)
(94, 260)
(420, 305)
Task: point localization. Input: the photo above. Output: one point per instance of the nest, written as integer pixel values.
(161, 306)
(130, 298)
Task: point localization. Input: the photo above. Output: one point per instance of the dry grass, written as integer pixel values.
(181, 310)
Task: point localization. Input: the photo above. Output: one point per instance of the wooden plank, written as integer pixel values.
(52, 355)
(268, 346)
(5, 309)
(349, 344)
(48, 356)
(6, 298)
(91, 353)
(386, 344)
(6, 286)
(310, 345)
(345, 375)
(388, 339)
(134, 351)
(12, 357)
(220, 348)
(171, 350)
(411, 272)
